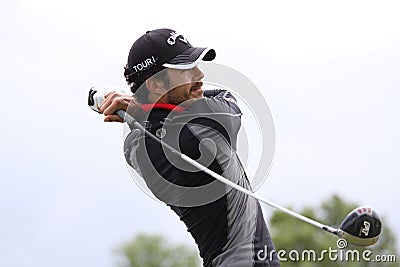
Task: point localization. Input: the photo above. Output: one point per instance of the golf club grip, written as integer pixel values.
(130, 120)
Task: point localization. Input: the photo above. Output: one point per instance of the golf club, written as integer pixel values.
(361, 227)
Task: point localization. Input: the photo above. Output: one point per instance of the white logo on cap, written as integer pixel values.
(145, 64)
(172, 39)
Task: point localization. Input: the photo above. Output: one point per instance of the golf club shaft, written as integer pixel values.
(130, 120)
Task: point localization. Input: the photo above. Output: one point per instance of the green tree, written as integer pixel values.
(154, 251)
(297, 239)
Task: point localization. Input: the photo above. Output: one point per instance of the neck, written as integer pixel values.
(156, 98)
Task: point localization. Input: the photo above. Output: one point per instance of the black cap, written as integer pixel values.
(159, 49)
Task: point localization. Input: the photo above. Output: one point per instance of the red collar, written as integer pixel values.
(172, 107)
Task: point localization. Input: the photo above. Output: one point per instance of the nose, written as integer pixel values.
(198, 75)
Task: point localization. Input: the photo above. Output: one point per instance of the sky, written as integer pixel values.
(329, 72)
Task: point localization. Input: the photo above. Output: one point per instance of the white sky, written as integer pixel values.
(329, 71)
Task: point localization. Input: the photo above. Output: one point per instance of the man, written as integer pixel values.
(162, 71)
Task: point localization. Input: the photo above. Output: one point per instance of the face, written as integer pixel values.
(185, 85)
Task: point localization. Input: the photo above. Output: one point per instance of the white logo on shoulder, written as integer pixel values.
(172, 39)
(161, 132)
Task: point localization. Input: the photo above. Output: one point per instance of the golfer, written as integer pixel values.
(168, 99)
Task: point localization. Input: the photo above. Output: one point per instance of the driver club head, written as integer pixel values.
(361, 227)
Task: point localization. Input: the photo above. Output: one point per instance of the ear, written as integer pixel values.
(155, 86)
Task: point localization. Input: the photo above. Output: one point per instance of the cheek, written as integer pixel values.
(184, 90)
(178, 81)
(179, 94)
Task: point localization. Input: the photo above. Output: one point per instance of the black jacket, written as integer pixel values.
(227, 225)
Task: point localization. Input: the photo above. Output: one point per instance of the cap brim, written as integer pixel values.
(190, 58)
